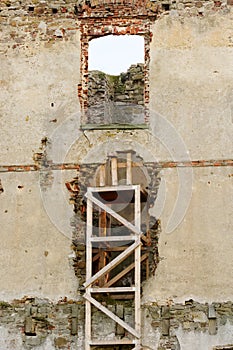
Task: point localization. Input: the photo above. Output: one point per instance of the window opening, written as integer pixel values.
(116, 80)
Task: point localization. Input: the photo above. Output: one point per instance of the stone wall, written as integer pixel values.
(116, 99)
(40, 324)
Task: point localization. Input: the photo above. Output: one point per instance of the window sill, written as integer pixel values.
(113, 126)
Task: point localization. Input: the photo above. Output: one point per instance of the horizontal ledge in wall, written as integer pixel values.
(113, 126)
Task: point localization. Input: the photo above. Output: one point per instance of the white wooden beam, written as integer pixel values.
(114, 171)
(88, 272)
(112, 188)
(102, 175)
(88, 237)
(137, 272)
(129, 169)
(112, 290)
(114, 238)
(87, 324)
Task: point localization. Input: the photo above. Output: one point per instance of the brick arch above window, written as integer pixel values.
(117, 19)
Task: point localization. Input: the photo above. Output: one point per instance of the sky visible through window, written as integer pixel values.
(114, 54)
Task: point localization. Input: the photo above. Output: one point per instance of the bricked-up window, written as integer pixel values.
(98, 18)
(116, 80)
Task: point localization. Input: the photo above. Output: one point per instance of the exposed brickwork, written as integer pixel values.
(75, 166)
(92, 28)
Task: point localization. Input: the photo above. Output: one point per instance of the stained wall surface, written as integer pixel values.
(191, 90)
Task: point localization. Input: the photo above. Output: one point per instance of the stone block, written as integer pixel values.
(29, 326)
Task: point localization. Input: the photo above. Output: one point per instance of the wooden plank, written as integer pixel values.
(88, 242)
(137, 208)
(124, 272)
(102, 233)
(112, 290)
(113, 342)
(114, 171)
(129, 169)
(111, 188)
(87, 324)
(137, 272)
(114, 214)
(114, 249)
(145, 239)
(102, 175)
(88, 272)
(112, 264)
(114, 238)
(111, 315)
(96, 256)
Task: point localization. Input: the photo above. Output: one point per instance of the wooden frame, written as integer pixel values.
(134, 247)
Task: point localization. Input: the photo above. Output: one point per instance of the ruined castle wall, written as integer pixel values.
(191, 86)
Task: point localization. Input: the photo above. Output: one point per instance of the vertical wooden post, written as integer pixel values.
(114, 171)
(129, 169)
(102, 233)
(102, 175)
(137, 215)
(88, 273)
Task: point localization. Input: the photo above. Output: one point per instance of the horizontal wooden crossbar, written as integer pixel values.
(113, 238)
(112, 290)
(112, 188)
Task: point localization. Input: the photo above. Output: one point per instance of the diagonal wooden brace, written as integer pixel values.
(111, 315)
(113, 213)
(113, 263)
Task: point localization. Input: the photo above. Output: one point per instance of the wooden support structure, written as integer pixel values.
(128, 241)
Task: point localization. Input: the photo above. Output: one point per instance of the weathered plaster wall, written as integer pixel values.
(38, 92)
(196, 258)
(36, 253)
(192, 81)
